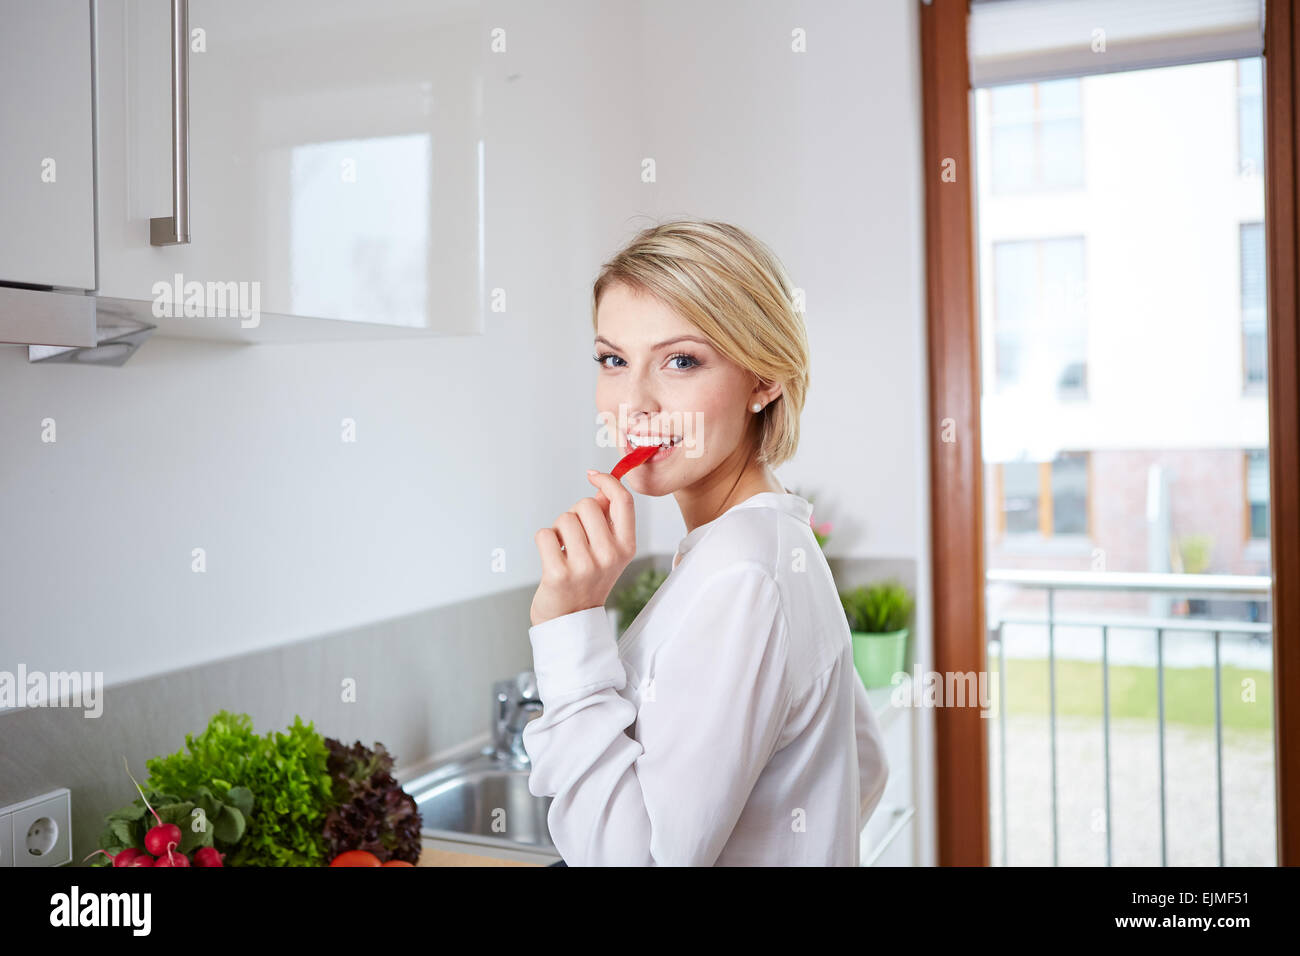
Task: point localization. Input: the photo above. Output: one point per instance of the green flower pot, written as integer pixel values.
(878, 657)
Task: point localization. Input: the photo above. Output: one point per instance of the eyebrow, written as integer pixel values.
(658, 345)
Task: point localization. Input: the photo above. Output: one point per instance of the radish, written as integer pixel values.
(161, 838)
(123, 858)
(164, 836)
(172, 859)
(208, 856)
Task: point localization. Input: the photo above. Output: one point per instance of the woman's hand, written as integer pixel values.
(598, 535)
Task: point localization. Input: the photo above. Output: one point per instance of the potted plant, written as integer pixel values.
(1194, 558)
(877, 616)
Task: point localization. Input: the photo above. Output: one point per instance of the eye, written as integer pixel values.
(600, 359)
(683, 355)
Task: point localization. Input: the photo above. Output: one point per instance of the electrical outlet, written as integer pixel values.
(6, 840)
(41, 829)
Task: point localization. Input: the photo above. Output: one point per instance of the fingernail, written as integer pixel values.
(592, 471)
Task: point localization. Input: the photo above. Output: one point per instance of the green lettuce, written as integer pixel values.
(286, 774)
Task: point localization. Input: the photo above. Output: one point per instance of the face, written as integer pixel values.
(660, 378)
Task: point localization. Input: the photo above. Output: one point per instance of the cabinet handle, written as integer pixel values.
(175, 229)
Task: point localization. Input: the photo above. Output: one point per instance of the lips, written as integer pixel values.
(667, 446)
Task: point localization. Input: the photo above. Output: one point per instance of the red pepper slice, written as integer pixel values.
(633, 458)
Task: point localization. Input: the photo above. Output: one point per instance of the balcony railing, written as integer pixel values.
(1239, 587)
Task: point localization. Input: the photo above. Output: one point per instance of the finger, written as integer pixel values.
(600, 495)
(576, 549)
(622, 512)
(599, 533)
(548, 546)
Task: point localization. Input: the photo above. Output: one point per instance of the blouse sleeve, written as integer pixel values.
(873, 769)
(708, 724)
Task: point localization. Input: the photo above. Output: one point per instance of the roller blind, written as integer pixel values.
(1018, 41)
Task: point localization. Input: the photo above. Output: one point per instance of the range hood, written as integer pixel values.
(118, 338)
(69, 326)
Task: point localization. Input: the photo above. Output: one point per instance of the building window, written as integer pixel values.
(1039, 320)
(1069, 479)
(1048, 498)
(1257, 495)
(1250, 116)
(1020, 496)
(1037, 136)
(1254, 348)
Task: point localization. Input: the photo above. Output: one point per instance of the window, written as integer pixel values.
(1039, 321)
(1037, 136)
(1257, 495)
(1048, 498)
(1250, 116)
(1253, 346)
(1020, 497)
(1069, 479)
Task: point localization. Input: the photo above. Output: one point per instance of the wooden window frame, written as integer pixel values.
(956, 467)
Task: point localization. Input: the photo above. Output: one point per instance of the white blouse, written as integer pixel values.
(727, 726)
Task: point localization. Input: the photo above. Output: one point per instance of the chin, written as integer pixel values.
(652, 489)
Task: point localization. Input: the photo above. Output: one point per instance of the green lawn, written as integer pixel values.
(1189, 693)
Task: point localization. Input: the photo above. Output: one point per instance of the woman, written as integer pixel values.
(728, 725)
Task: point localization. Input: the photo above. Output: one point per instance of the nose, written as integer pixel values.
(642, 403)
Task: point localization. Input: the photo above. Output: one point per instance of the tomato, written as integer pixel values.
(356, 858)
(397, 863)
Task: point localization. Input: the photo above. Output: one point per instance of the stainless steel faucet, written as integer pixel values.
(514, 703)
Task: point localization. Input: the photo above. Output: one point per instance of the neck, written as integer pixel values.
(737, 478)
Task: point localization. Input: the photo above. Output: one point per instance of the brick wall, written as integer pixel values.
(1206, 495)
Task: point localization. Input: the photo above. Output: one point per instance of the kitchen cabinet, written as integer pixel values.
(47, 203)
(334, 181)
(334, 158)
(887, 839)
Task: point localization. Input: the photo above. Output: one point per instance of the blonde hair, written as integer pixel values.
(737, 293)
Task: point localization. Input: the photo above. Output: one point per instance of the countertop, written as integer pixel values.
(430, 856)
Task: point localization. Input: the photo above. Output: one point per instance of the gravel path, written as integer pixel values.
(1249, 817)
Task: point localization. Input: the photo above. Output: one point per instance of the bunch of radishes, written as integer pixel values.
(204, 856)
(159, 844)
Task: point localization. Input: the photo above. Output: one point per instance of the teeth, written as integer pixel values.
(637, 441)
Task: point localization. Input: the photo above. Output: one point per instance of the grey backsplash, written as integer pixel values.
(423, 689)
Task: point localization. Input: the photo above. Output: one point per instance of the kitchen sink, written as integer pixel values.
(482, 799)
(480, 796)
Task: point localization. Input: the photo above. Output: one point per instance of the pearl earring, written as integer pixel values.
(756, 407)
